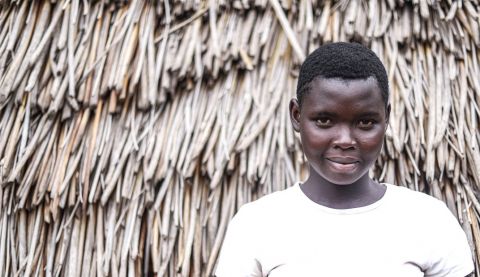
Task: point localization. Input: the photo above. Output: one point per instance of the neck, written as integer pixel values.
(361, 193)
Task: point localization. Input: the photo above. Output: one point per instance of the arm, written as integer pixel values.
(238, 256)
(451, 253)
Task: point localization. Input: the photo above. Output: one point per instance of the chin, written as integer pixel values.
(339, 179)
(336, 180)
(342, 182)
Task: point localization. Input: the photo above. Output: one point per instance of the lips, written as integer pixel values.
(343, 159)
(343, 164)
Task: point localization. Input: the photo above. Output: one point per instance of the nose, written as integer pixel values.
(344, 138)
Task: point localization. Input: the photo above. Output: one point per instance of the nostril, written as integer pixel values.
(345, 143)
(344, 146)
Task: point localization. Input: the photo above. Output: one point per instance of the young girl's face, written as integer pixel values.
(342, 124)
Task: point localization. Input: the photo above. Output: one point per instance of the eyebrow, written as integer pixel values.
(325, 114)
(365, 114)
(370, 114)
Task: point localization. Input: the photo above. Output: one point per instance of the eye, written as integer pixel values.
(323, 122)
(366, 124)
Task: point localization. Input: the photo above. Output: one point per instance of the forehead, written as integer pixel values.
(341, 94)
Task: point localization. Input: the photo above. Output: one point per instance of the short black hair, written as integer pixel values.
(342, 60)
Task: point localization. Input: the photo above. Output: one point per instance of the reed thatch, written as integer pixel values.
(131, 131)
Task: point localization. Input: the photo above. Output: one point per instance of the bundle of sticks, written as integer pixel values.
(132, 131)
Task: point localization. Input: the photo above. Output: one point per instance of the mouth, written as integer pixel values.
(343, 164)
(343, 160)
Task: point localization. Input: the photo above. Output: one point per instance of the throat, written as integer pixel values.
(351, 196)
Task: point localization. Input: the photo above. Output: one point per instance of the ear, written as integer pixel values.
(294, 109)
(387, 115)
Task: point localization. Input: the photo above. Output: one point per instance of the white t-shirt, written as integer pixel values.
(405, 233)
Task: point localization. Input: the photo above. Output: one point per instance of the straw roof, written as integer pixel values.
(131, 131)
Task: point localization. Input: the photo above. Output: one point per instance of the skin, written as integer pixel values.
(342, 126)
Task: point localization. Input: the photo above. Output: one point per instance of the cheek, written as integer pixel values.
(372, 143)
(315, 138)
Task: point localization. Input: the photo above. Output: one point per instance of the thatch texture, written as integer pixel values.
(131, 131)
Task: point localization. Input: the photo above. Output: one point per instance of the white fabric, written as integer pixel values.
(405, 233)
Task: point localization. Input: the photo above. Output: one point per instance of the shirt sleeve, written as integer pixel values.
(451, 254)
(237, 256)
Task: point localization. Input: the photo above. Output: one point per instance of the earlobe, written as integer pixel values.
(294, 109)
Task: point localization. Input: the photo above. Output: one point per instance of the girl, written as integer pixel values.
(340, 222)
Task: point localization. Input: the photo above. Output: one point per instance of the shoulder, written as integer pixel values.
(429, 217)
(439, 231)
(414, 201)
(419, 209)
(406, 193)
(267, 207)
(270, 202)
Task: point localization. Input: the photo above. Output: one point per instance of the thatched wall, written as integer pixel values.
(131, 131)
